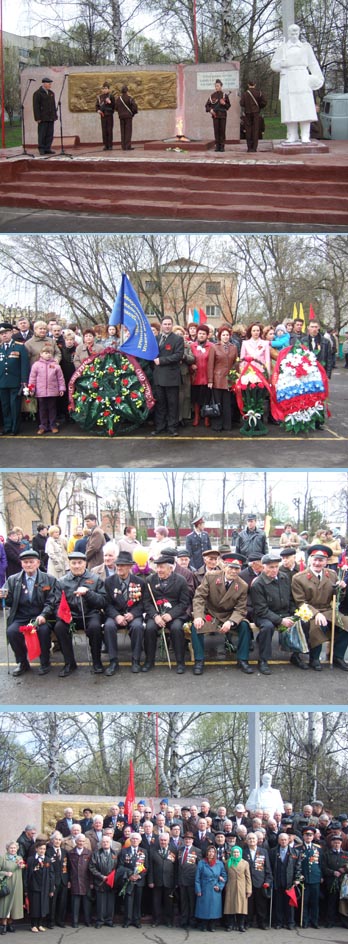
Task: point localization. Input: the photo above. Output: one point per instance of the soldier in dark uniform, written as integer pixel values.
(126, 108)
(261, 878)
(217, 105)
(252, 101)
(14, 371)
(45, 113)
(105, 106)
(197, 541)
(30, 595)
(166, 600)
(166, 379)
(124, 610)
(219, 605)
(310, 862)
(273, 605)
(85, 594)
(59, 859)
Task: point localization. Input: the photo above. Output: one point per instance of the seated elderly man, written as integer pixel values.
(220, 605)
(30, 595)
(124, 610)
(316, 586)
(273, 605)
(85, 594)
(166, 602)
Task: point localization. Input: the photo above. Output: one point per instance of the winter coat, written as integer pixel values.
(209, 904)
(3, 564)
(237, 888)
(58, 562)
(12, 904)
(47, 378)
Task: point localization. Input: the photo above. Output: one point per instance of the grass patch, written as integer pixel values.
(13, 134)
(274, 128)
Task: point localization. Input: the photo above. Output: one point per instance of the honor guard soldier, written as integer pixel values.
(14, 372)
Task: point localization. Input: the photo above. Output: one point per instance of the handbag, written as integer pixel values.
(211, 409)
(293, 639)
(4, 888)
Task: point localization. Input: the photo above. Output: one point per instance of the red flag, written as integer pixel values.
(343, 560)
(130, 795)
(110, 879)
(292, 896)
(312, 313)
(202, 316)
(302, 566)
(31, 640)
(64, 611)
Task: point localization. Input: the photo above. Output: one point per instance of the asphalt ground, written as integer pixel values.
(193, 448)
(163, 935)
(287, 686)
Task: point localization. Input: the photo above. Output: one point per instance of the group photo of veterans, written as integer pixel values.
(263, 591)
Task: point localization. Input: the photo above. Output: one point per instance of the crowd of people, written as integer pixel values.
(197, 366)
(186, 866)
(173, 597)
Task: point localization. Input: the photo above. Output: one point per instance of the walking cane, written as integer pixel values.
(3, 602)
(162, 628)
(333, 620)
(270, 908)
(85, 632)
(302, 904)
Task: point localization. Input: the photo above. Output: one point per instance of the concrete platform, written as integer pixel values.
(233, 186)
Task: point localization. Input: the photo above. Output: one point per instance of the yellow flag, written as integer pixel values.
(294, 314)
(301, 315)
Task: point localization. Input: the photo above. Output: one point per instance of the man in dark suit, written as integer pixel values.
(87, 820)
(320, 346)
(188, 857)
(261, 877)
(162, 878)
(175, 842)
(133, 865)
(30, 595)
(285, 868)
(45, 113)
(14, 372)
(22, 331)
(64, 824)
(203, 836)
(124, 610)
(166, 602)
(219, 605)
(59, 859)
(273, 605)
(166, 379)
(102, 863)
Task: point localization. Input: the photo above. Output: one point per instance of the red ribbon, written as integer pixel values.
(250, 361)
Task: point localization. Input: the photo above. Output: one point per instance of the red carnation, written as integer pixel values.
(208, 618)
(130, 602)
(125, 381)
(118, 399)
(106, 412)
(95, 385)
(91, 368)
(83, 398)
(134, 396)
(111, 432)
(110, 370)
(99, 399)
(167, 347)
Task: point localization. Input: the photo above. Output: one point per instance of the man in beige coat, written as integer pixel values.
(316, 586)
(220, 605)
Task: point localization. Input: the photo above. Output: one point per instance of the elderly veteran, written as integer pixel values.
(124, 610)
(166, 601)
(30, 595)
(220, 605)
(85, 595)
(14, 372)
(316, 586)
(272, 602)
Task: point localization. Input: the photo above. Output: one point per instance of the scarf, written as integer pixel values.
(234, 860)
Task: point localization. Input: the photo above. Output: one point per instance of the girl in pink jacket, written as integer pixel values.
(47, 380)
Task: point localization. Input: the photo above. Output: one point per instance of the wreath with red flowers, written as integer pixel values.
(110, 394)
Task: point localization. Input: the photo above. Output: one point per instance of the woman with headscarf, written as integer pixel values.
(238, 890)
(210, 879)
(11, 906)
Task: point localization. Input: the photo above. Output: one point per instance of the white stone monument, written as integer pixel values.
(300, 76)
(265, 797)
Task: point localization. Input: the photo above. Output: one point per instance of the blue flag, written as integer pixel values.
(127, 310)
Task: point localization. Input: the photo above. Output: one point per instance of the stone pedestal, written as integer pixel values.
(286, 147)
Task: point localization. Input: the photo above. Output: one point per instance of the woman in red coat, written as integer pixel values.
(199, 373)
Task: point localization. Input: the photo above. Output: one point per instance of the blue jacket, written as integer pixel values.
(209, 904)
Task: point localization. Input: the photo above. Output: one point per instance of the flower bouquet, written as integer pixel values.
(29, 401)
(110, 393)
(300, 388)
(251, 388)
